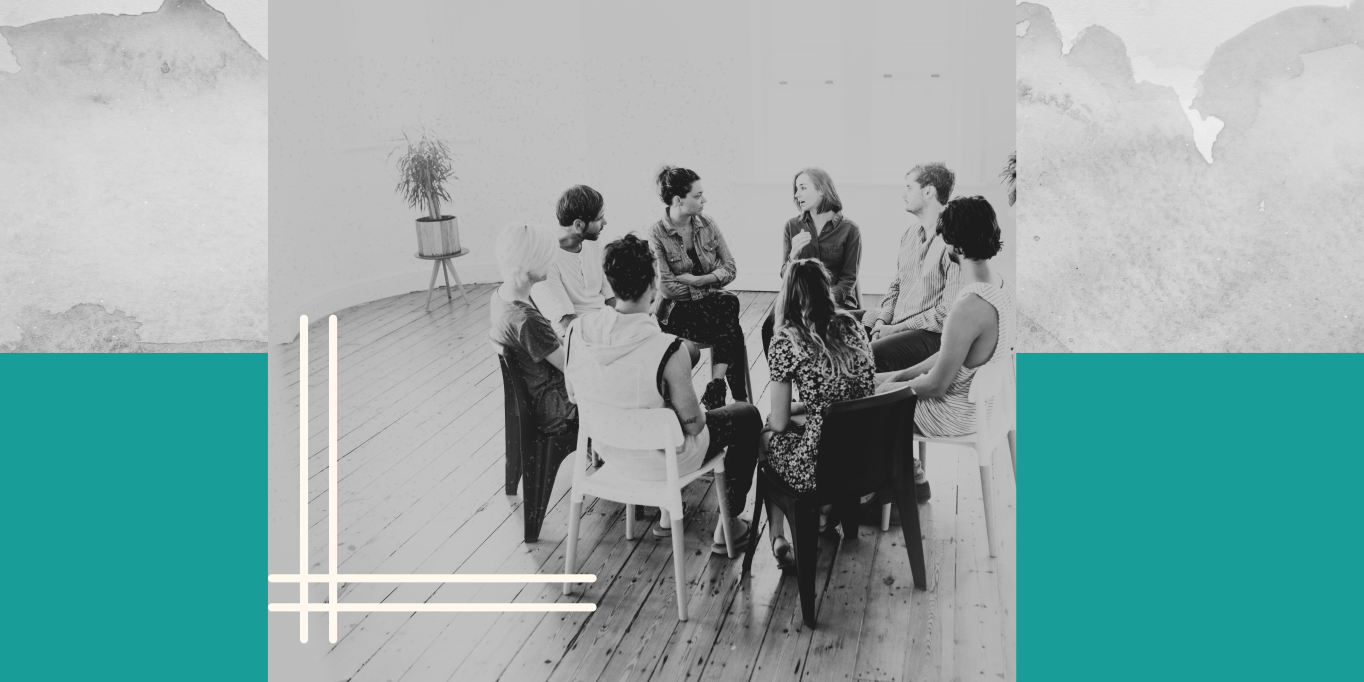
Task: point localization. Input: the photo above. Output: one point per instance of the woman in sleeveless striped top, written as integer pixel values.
(979, 328)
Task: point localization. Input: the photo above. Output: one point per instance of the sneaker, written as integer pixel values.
(714, 397)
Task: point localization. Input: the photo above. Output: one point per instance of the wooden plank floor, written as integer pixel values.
(420, 476)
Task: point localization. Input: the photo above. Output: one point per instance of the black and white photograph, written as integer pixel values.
(642, 340)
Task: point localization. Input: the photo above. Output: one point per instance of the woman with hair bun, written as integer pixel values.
(694, 264)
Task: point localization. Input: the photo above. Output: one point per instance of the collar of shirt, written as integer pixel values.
(697, 223)
(809, 221)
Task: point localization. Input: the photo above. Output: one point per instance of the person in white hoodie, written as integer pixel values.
(619, 357)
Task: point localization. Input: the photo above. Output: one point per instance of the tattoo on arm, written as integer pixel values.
(692, 420)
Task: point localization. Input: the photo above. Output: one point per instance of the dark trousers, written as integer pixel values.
(714, 321)
(905, 349)
(770, 324)
(738, 427)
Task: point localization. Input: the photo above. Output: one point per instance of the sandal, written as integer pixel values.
(782, 552)
(740, 542)
(661, 532)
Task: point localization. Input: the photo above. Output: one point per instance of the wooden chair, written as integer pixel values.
(857, 456)
(646, 429)
(532, 457)
(995, 427)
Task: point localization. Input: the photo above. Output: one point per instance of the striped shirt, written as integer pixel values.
(926, 282)
(954, 414)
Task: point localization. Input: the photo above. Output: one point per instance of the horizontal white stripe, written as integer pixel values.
(435, 578)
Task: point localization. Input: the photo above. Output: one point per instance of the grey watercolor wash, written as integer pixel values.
(1130, 241)
(133, 184)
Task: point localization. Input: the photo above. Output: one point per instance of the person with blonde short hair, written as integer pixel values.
(525, 336)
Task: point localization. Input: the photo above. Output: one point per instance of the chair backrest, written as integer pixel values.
(994, 405)
(639, 429)
(520, 398)
(860, 440)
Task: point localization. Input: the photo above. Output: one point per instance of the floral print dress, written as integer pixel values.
(791, 453)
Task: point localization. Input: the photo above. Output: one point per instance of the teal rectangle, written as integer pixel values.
(1183, 517)
(1189, 517)
(135, 509)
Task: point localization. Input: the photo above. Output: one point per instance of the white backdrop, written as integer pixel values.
(537, 96)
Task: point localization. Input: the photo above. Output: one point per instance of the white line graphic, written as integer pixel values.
(303, 577)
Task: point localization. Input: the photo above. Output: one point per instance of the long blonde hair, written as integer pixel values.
(807, 313)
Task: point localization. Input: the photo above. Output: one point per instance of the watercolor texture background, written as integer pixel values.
(133, 178)
(1130, 238)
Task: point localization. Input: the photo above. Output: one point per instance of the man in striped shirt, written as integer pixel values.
(907, 327)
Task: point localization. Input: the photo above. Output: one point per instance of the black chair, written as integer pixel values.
(512, 429)
(864, 447)
(533, 456)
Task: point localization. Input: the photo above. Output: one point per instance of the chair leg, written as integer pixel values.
(680, 571)
(753, 534)
(987, 497)
(512, 431)
(539, 466)
(910, 531)
(923, 456)
(570, 557)
(513, 472)
(1013, 447)
(805, 529)
(720, 493)
(629, 522)
(885, 517)
(432, 286)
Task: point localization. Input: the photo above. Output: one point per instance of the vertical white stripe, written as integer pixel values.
(331, 478)
(303, 477)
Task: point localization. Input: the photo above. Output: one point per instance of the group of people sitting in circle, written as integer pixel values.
(621, 326)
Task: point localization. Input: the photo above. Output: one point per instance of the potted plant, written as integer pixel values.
(424, 170)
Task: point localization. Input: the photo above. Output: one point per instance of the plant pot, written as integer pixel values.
(438, 237)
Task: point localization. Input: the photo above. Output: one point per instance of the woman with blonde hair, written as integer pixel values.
(825, 353)
(820, 231)
(526, 337)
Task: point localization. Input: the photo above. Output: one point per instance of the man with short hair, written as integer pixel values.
(906, 328)
(576, 285)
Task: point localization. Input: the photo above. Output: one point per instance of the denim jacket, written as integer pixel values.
(670, 258)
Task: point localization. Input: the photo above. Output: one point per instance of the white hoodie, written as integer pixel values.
(614, 360)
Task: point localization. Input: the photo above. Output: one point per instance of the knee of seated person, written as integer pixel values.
(749, 415)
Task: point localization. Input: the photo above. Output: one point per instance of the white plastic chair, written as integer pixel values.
(644, 429)
(994, 426)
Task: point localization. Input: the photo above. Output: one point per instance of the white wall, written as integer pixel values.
(535, 97)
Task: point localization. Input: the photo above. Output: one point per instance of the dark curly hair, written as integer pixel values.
(969, 224)
(579, 202)
(937, 176)
(674, 182)
(629, 266)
